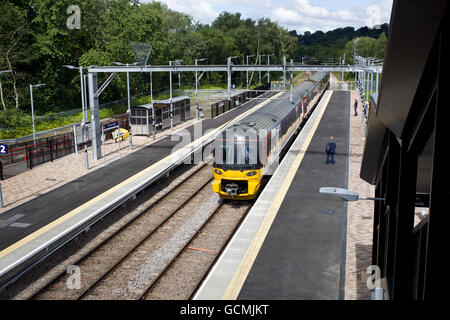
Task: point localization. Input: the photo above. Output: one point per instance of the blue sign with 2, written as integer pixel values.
(3, 149)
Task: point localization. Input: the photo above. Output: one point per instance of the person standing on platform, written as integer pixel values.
(356, 108)
(330, 149)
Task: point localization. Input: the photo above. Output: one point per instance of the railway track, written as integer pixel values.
(106, 267)
(164, 252)
(100, 261)
(186, 270)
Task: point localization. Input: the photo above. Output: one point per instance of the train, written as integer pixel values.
(250, 149)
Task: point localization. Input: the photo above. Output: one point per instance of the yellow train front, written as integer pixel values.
(237, 168)
(250, 149)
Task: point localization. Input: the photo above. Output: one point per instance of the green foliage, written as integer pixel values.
(333, 43)
(367, 47)
(35, 42)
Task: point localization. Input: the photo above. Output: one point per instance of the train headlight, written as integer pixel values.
(218, 171)
(251, 173)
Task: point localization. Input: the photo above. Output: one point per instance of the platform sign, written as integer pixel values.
(87, 132)
(3, 148)
(111, 126)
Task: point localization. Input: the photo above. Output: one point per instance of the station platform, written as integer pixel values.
(292, 243)
(30, 230)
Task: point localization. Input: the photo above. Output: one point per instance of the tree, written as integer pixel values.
(12, 46)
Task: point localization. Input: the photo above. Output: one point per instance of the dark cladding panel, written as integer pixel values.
(412, 32)
(373, 145)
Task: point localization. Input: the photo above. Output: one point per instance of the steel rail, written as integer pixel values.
(13, 272)
(139, 244)
(219, 253)
(112, 235)
(149, 287)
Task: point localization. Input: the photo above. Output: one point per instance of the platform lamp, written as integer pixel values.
(196, 88)
(130, 138)
(346, 194)
(83, 93)
(32, 106)
(233, 57)
(176, 63)
(259, 59)
(268, 63)
(247, 66)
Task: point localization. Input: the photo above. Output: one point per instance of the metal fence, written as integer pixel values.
(49, 149)
(225, 105)
(25, 155)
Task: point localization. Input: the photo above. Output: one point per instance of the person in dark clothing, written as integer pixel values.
(330, 149)
(356, 107)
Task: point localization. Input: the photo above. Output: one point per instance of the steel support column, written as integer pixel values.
(95, 116)
(229, 78)
(291, 74)
(171, 99)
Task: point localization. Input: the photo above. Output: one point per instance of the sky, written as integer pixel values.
(299, 15)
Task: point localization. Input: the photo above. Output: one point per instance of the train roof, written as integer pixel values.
(274, 111)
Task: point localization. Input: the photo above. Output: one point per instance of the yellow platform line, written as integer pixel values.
(236, 283)
(91, 202)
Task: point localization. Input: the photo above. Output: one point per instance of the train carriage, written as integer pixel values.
(251, 148)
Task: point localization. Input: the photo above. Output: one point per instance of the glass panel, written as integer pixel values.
(423, 183)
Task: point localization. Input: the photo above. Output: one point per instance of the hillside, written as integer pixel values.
(323, 45)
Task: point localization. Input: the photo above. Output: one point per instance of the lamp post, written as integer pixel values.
(2, 72)
(82, 86)
(171, 104)
(345, 194)
(233, 57)
(268, 64)
(229, 63)
(32, 106)
(259, 58)
(247, 65)
(128, 100)
(83, 111)
(196, 88)
(354, 49)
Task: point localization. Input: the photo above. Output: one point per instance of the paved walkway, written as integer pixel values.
(51, 175)
(360, 215)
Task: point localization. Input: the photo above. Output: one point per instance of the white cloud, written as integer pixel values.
(299, 15)
(201, 11)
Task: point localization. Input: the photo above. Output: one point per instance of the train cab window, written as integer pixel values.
(239, 156)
